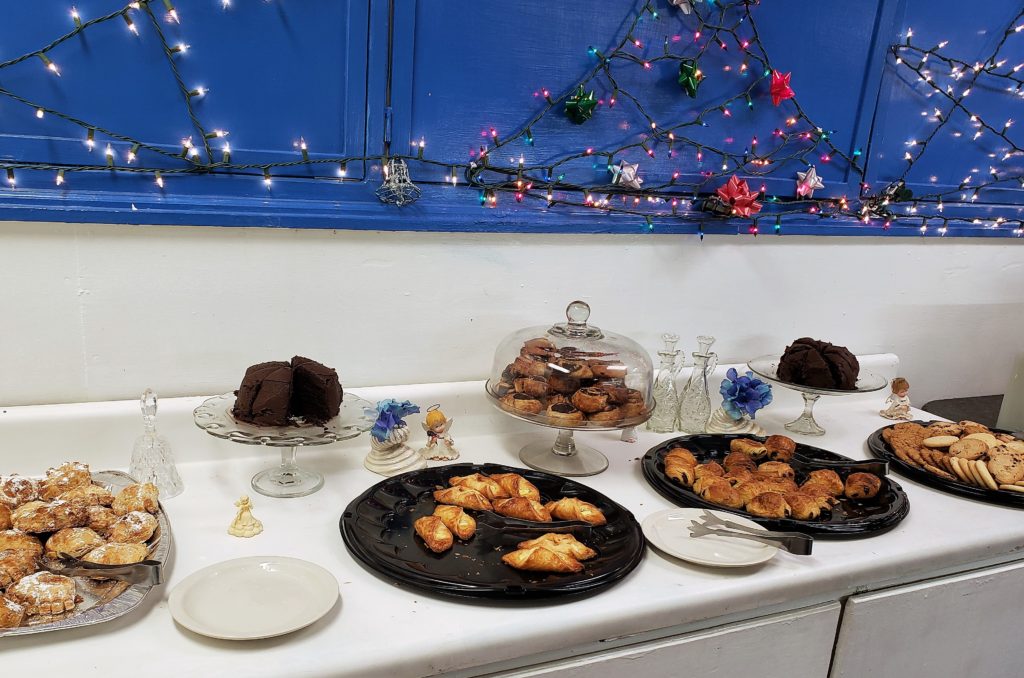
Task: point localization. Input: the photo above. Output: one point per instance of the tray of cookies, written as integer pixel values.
(965, 458)
(492, 531)
(777, 482)
(85, 519)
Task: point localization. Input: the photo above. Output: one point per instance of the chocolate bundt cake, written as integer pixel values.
(810, 362)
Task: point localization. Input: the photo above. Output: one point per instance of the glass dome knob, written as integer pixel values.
(577, 312)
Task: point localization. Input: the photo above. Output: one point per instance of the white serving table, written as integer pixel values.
(780, 618)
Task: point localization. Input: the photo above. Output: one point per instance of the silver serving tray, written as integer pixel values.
(104, 600)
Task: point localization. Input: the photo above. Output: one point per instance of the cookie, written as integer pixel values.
(939, 441)
(986, 477)
(968, 448)
(988, 438)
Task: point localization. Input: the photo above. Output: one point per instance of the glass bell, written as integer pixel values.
(152, 459)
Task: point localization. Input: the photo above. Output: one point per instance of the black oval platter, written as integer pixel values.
(377, 529)
(880, 448)
(850, 519)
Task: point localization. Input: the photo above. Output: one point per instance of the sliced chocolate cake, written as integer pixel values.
(264, 394)
(316, 391)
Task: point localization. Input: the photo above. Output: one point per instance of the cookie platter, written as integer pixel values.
(839, 516)
(103, 600)
(383, 528)
(985, 472)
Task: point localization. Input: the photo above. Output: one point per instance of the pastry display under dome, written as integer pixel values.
(571, 376)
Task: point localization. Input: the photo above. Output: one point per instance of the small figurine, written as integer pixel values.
(742, 397)
(440, 446)
(389, 455)
(245, 523)
(898, 404)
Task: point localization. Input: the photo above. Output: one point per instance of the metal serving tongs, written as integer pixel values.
(148, 572)
(796, 543)
(876, 466)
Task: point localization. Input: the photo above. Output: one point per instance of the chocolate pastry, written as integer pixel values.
(779, 469)
(819, 364)
(634, 405)
(769, 505)
(711, 468)
(780, 448)
(503, 388)
(563, 383)
(522, 403)
(862, 485)
(530, 367)
(316, 392)
(536, 387)
(574, 368)
(564, 414)
(607, 369)
(590, 400)
(617, 391)
(263, 396)
(827, 478)
(683, 454)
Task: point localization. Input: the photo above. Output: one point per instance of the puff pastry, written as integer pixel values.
(769, 505)
(779, 469)
(117, 554)
(516, 485)
(67, 476)
(679, 469)
(133, 528)
(44, 593)
(705, 482)
(523, 403)
(19, 541)
(805, 506)
(522, 508)
(754, 487)
(464, 497)
(16, 490)
(749, 447)
(461, 524)
(477, 481)
(101, 518)
(74, 541)
(862, 486)
(91, 495)
(11, 614)
(827, 478)
(16, 564)
(739, 460)
(682, 454)
(572, 508)
(5, 517)
(540, 559)
(39, 516)
(780, 448)
(434, 534)
(723, 494)
(141, 497)
(561, 543)
(711, 468)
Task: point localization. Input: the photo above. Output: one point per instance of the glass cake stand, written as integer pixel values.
(287, 479)
(767, 367)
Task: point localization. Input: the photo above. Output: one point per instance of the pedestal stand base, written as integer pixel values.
(805, 424)
(287, 479)
(564, 458)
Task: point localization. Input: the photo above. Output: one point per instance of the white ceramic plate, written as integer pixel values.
(673, 537)
(249, 598)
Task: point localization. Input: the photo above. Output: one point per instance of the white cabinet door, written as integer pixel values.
(784, 645)
(956, 627)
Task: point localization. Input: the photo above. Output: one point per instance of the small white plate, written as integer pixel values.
(250, 598)
(669, 531)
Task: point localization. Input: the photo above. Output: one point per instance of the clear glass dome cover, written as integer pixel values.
(573, 375)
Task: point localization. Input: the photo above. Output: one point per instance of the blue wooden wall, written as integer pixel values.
(282, 71)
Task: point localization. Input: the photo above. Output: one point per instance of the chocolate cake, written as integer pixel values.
(272, 393)
(810, 362)
(316, 391)
(264, 394)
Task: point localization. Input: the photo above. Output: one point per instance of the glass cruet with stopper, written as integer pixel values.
(152, 460)
(666, 397)
(695, 403)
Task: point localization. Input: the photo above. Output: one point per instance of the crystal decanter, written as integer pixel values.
(152, 460)
(666, 397)
(695, 404)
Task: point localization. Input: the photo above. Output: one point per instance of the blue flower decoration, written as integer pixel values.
(744, 395)
(389, 417)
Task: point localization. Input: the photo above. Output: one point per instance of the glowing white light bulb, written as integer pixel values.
(109, 153)
(159, 180)
(226, 150)
(198, 91)
(60, 178)
(76, 17)
(10, 177)
(193, 152)
(342, 171)
(39, 113)
(910, 32)
(225, 4)
(173, 16)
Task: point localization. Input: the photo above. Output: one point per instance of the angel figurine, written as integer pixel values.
(440, 446)
(245, 523)
(897, 404)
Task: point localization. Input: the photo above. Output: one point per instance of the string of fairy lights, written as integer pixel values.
(722, 188)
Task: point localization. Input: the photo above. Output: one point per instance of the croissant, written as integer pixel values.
(481, 483)
(723, 494)
(571, 508)
(539, 559)
(523, 508)
(780, 448)
(862, 485)
(702, 484)
(749, 447)
(561, 543)
(769, 505)
(464, 497)
(805, 506)
(779, 469)
(456, 520)
(739, 460)
(710, 468)
(516, 486)
(828, 478)
(681, 470)
(681, 453)
(434, 534)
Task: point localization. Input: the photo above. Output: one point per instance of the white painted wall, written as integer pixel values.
(101, 312)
